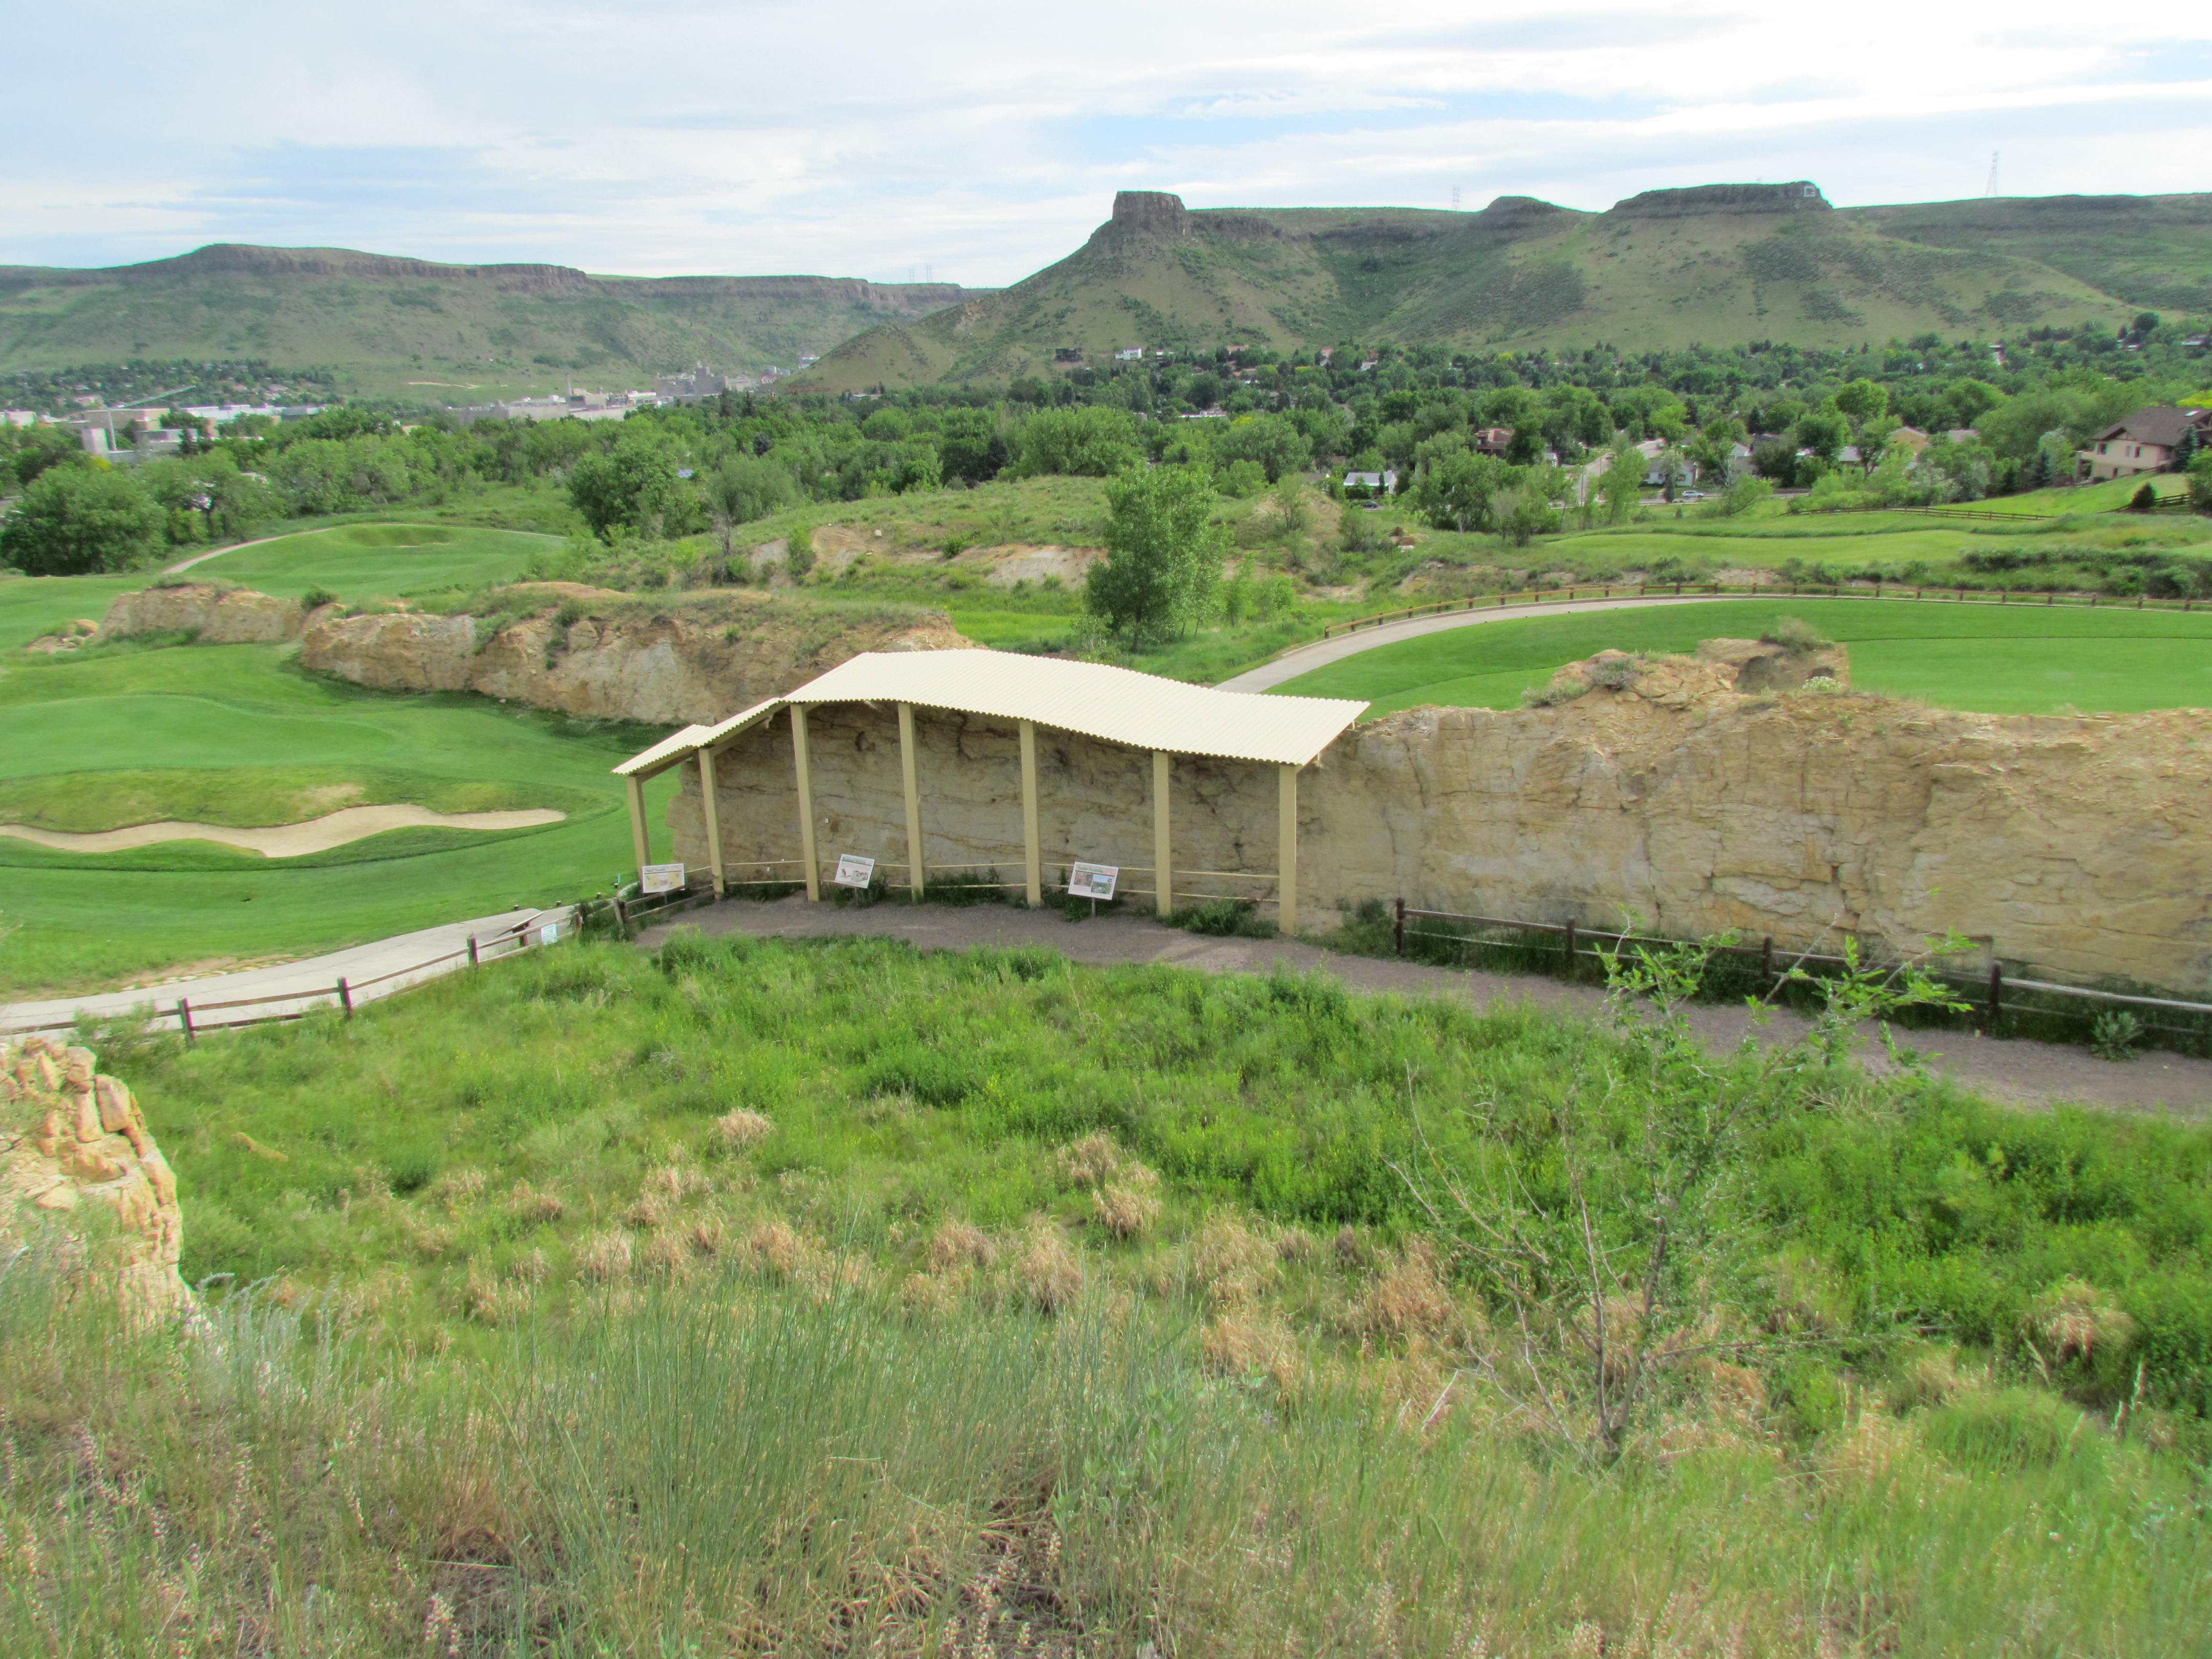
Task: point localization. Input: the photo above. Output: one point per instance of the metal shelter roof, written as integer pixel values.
(1116, 705)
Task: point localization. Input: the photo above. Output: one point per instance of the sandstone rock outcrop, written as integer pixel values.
(694, 657)
(218, 614)
(669, 664)
(2079, 847)
(80, 1176)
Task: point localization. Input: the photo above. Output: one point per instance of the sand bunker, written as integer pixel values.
(279, 840)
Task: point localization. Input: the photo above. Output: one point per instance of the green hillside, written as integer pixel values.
(412, 328)
(1718, 264)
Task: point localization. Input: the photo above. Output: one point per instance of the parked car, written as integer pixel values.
(1690, 495)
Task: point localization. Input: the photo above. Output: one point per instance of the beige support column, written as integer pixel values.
(1032, 850)
(638, 840)
(1163, 841)
(805, 800)
(914, 870)
(1286, 851)
(714, 814)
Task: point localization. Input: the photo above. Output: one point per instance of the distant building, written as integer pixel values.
(1493, 440)
(1129, 354)
(1066, 354)
(19, 416)
(2148, 440)
(1382, 483)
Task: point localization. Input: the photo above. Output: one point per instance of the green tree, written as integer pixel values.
(1455, 490)
(2200, 482)
(75, 520)
(1864, 402)
(1825, 432)
(633, 488)
(1090, 442)
(745, 488)
(1163, 554)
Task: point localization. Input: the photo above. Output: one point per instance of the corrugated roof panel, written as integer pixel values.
(1117, 705)
(662, 755)
(737, 723)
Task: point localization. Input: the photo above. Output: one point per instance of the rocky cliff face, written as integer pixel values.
(219, 614)
(669, 666)
(2081, 847)
(81, 1179)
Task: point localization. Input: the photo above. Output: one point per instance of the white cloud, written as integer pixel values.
(865, 138)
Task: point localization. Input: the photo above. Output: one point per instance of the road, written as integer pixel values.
(1304, 658)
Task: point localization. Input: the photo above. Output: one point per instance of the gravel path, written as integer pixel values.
(1304, 658)
(311, 979)
(2021, 1073)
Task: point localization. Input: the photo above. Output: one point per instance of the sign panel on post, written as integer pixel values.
(660, 877)
(1092, 881)
(853, 871)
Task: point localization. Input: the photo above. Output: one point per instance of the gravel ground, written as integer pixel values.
(2021, 1073)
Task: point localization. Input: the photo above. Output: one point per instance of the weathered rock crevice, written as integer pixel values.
(83, 1182)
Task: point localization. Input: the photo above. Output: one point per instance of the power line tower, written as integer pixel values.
(1455, 198)
(1993, 188)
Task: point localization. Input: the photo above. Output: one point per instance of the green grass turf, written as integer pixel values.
(77, 921)
(2021, 659)
(368, 561)
(246, 797)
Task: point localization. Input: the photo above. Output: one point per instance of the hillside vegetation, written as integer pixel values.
(431, 332)
(1717, 266)
(826, 1296)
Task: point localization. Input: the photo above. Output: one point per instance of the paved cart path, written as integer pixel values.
(2019, 1072)
(1304, 658)
(310, 977)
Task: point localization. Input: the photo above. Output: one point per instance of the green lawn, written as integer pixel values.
(128, 722)
(2024, 658)
(373, 561)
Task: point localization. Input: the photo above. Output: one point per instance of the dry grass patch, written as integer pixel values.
(959, 1245)
(1230, 1263)
(1408, 1299)
(604, 1256)
(1049, 1273)
(740, 1131)
(1244, 1343)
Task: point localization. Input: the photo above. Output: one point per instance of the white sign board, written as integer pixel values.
(660, 877)
(853, 871)
(549, 933)
(1092, 881)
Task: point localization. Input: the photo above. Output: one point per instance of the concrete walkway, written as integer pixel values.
(2020, 1073)
(1304, 658)
(312, 981)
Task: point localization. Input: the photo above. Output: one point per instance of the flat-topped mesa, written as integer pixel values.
(1798, 196)
(1147, 213)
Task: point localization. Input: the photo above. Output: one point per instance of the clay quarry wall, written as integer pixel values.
(2081, 847)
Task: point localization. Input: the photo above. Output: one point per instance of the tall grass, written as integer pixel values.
(828, 1297)
(736, 1468)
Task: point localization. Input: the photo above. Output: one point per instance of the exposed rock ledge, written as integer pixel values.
(692, 657)
(74, 1146)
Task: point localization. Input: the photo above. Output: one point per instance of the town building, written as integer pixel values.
(2149, 441)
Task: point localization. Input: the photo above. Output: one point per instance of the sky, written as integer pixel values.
(976, 143)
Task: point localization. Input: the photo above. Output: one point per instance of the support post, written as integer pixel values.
(640, 842)
(1162, 840)
(1286, 850)
(714, 816)
(345, 998)
(1397, 932)
(906, 779)
(1996, 995)
(184, 1018)
(474, 960)
(799, 759)
(1032, 851)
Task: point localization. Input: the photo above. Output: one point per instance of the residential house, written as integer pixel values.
(1493, 440)
(1382, 484)
(2148, 440)
(1129, 354)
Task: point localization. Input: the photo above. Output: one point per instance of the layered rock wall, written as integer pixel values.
(219, 614)
(81, 1179)
(2080, 847)
(666, 667)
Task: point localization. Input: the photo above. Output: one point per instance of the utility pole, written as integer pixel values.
(1993, 188)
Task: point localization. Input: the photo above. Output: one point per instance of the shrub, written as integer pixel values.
(2114, 1035)
(2143, 500)
(1615, 672)
(1796, 635)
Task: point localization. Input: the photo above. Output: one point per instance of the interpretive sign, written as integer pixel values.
(853, 871)
(1092, 881)
(660, 877)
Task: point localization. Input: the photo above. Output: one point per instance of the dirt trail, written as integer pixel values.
(2020, 1073)
(279, 840)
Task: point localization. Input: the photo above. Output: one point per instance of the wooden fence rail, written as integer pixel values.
(1992, 987)
(191, 1016)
